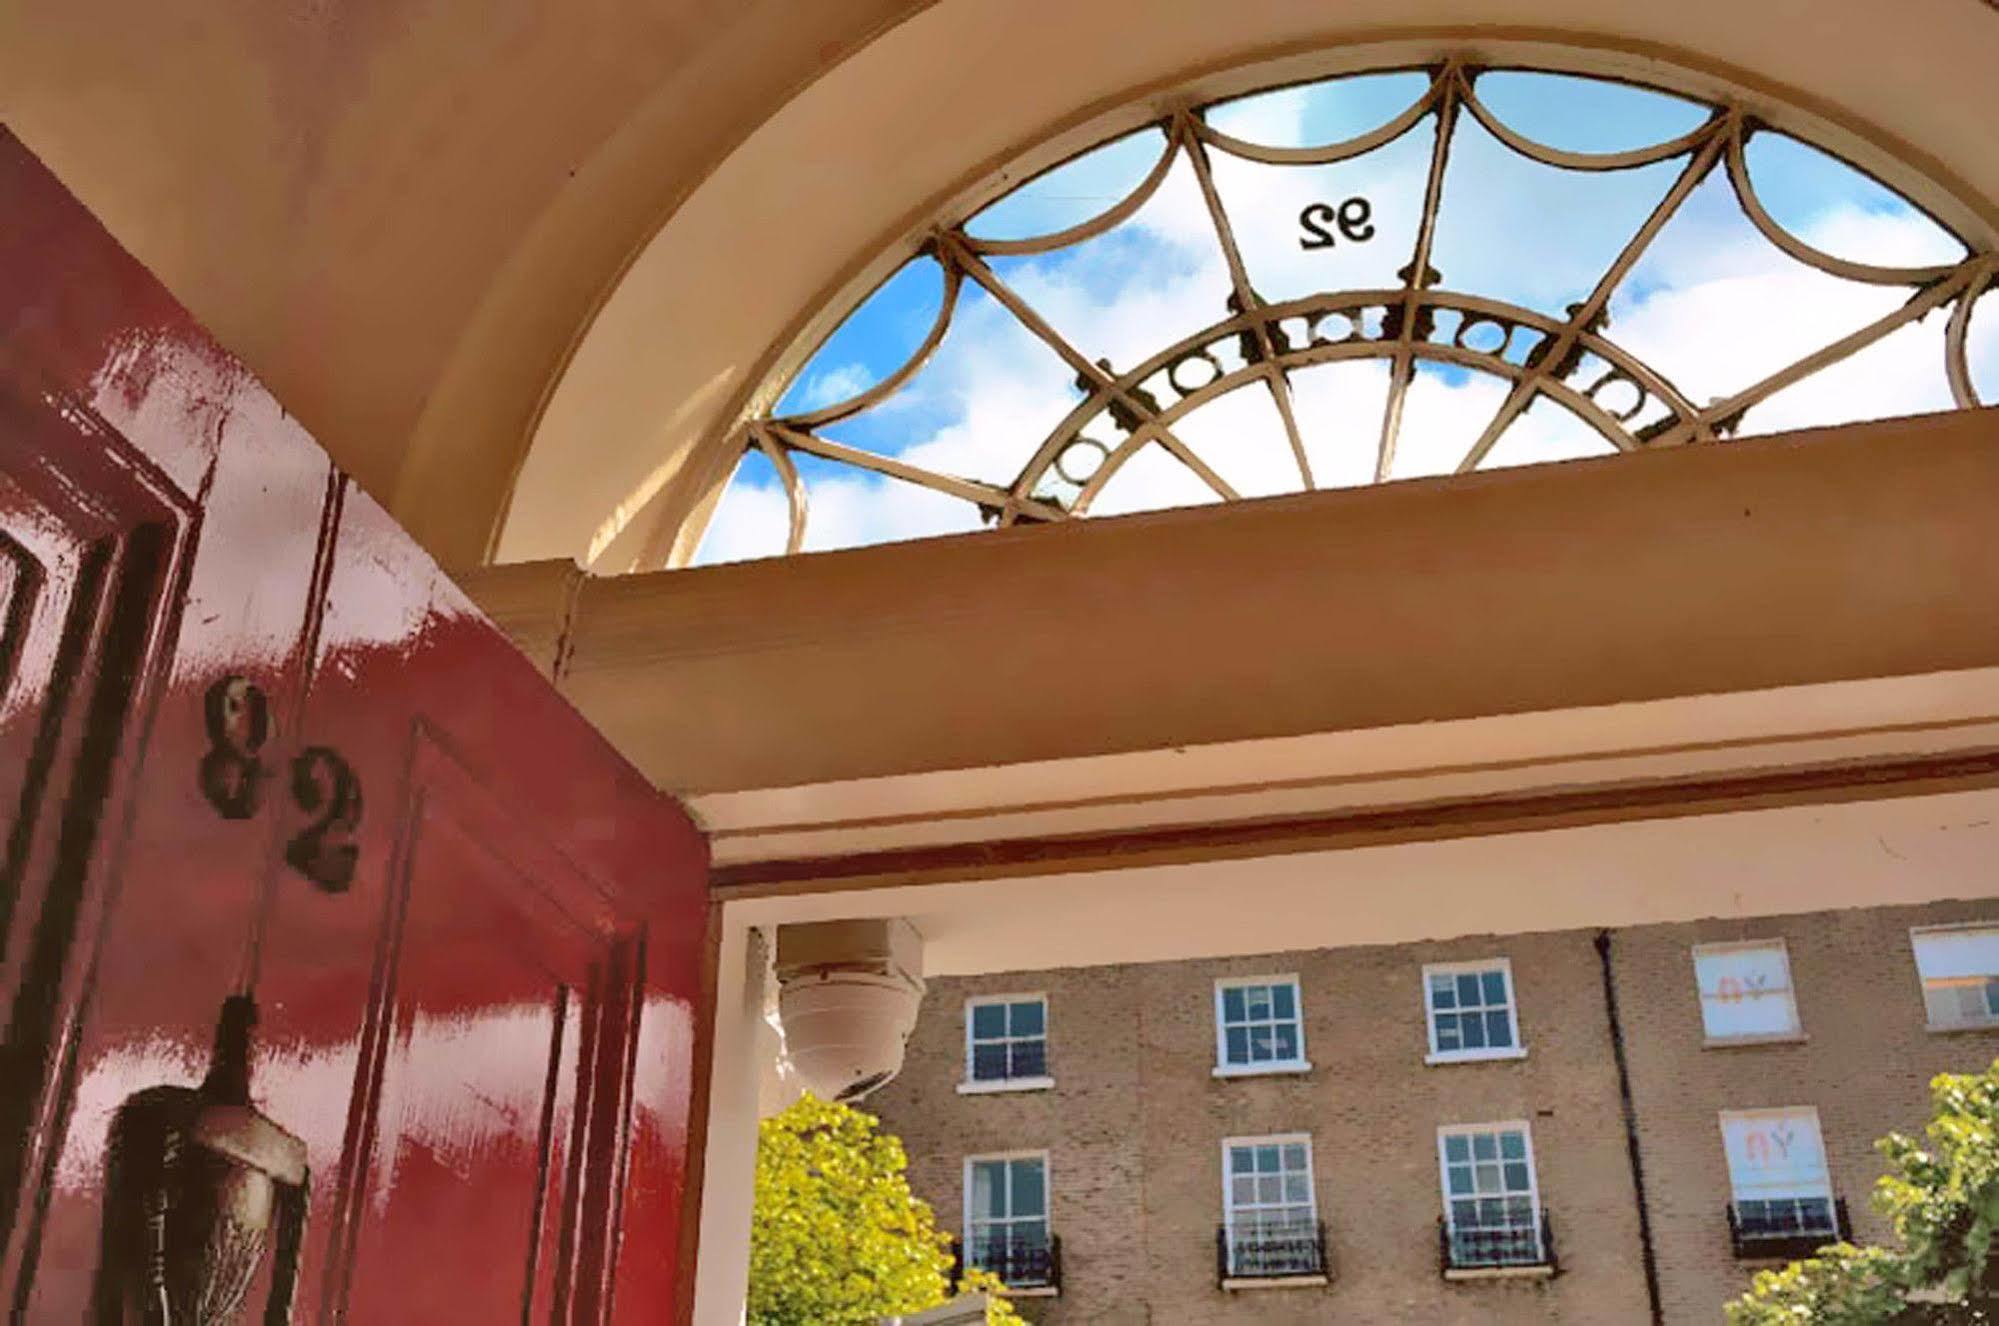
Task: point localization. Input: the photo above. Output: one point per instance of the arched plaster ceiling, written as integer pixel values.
(866, 155)
(415, 219)
(401, 212)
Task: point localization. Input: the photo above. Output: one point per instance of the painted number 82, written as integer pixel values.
(1353, 218)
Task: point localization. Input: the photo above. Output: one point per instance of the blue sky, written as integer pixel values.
(1712, 304)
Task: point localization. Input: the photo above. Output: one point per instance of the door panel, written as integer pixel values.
(488, 1050)
(477, 985)
(186, 892)
(94, 540)
(478, 1083)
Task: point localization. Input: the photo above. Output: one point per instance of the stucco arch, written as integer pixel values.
(401, 213)
(816, 199)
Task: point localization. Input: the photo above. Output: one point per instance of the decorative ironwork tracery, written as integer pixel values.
(1571, 362)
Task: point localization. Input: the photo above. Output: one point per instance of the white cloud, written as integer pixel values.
(832, 386)
(1749, 311)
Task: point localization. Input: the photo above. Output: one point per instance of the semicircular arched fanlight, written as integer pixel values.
(1363, 279)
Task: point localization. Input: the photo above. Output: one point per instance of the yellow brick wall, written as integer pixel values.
(1134, 1124)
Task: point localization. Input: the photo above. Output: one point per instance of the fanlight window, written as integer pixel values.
(1363, 279)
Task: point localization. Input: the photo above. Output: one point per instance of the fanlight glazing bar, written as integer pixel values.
(1557, 358)
(1331, 153)
(794, 491)
(1141, 409)
(1724, 415)
(982, 495)
(1121, 211)
(1247, 301)
(1315, 348)
(946, 306)
(1957, 365)
(1419, 275)
(1752, 207)
(1590, 161)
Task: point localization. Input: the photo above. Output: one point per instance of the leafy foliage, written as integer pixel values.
(837, 1237)
(1944, 1198)
(1842, 1286)
(1941, 1194)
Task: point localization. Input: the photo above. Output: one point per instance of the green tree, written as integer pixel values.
(1941, 1195)
(837, 1238)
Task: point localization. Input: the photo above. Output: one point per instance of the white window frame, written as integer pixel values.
(1797, 1029)
(1047, 1213)
(1223, 1068)
(1735, 1197)
(1232, 1281)
(1518, 1050)
(1989, 1022)
(1536, 1209)
(972, 1086)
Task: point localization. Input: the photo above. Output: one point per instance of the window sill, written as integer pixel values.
(1262, 1070)
(1036, 1291)
(1950, 1028)
(1773, 1257)
(1275, 1282)
(1541, 1272)
(1475, 1056)
(1774, 1038)
(1005, 1084)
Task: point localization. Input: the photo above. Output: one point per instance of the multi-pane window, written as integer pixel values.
(1746, 991)
(1492, 1209)
(1006, 1218)
(1471, 1012)
(1257, 1025)
(1959, 966)
(1006, 1040)
(1777, 1171)
(1270, 1216)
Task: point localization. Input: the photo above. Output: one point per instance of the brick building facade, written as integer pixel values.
(1135, 1120)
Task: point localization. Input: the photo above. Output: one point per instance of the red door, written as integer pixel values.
(253, 743)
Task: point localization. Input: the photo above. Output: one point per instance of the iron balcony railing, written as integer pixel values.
(1270, 1252)
(1496, 1247)
(1021, 1261)
(1785, 1229)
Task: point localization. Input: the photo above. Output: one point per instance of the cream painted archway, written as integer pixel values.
(870, 152)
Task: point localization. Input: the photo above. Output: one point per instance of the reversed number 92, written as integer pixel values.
(1353, 218)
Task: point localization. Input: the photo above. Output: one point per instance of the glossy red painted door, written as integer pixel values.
(251, 740)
